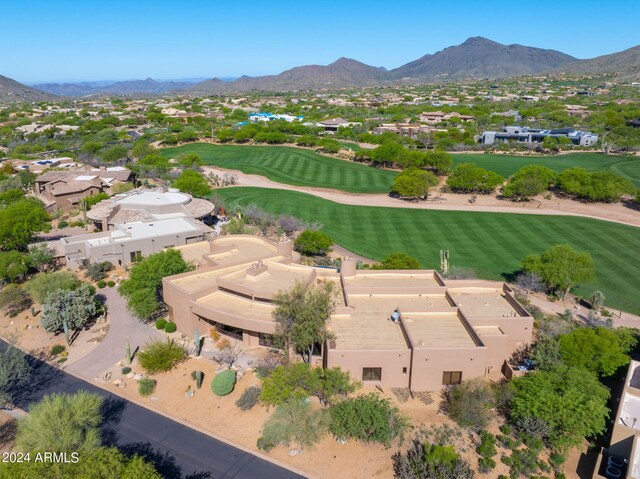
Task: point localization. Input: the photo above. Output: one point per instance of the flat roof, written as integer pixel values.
(234, 249)
(237, 306)
(393, 279)
(277, 277)
(483, 302)
(140, 230)
(437, 330)
(366, 326)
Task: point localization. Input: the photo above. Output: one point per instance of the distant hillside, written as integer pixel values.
(128, 88)
(12, 91)
(479, 57)
(625, 65)
(339, 74)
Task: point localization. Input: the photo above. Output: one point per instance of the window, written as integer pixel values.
(266, 340)
(371, 374)
(136, 256)
(451, 377)
(404, 370)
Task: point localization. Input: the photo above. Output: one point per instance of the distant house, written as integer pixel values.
(266, 117)
(438, 116)
(332, 124)
(410, 130)
(524, 134)
(64, 189)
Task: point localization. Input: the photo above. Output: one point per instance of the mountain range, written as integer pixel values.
(477, 57)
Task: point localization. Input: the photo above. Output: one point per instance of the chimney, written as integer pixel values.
(285, 247)
(348, 267)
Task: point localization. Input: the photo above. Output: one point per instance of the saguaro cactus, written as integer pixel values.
(597, 300)
(198, 379)
(65, 326)
(196, 340)
(444, 262)
(127, 351)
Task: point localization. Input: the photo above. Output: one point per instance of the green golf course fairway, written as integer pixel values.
(293, 166)
(507, 165)
(490, 243)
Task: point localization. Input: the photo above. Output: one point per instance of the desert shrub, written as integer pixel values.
(43, 284)
(265, 366)
(311, 243)
(161, 323)
(146, 386)
(214, 334)
(125, 370)
(430, 461)
(101, 284)
(300, 381)
(111, 284)
(224, 343)
(249, 398)
(293, 422)
(367, 418)
(170, 327)
(486, 449)
(469, 403)
(161, 356)
(62, 224)
(424, 397)
(402, 394)
(14, 299)
(224, 382)
(57, 349)
(77, 308)
(98, 271)
(486, 464)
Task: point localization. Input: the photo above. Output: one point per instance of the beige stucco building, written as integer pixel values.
(444, 332)
(139, 223)
(622, 457)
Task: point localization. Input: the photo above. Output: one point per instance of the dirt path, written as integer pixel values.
(617, 213)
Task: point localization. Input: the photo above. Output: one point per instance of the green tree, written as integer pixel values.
(414, 183)
(367, 418)
(600, 350)
(115, 153)
(301, 314)
(470, 178)
(14, 374)
(143, 289)
(293, 422)
(529, 181)
(62, 423)
(13, 265)
(423, 460)
(438, 160)
(300, 381)
(192, 182)
(43, 284)
(190, 160)
(398, 261)
(561, 267)
(311, 242)
(604, 186)
(19, 221)
(77, 308)
(142, 148)
(571, 401)
(387, 154)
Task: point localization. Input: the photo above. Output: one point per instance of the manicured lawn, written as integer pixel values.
(293, 166)
(490, 243)
(507, 165)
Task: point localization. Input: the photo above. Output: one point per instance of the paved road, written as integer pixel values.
(176, 450)
(112, 349)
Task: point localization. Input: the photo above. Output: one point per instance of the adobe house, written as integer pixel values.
(406, 328)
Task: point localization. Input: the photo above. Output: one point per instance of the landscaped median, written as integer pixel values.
(492, 244)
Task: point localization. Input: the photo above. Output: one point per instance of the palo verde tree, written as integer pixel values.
(414, 183)
(301, 314)
(561, 267)
(143, 289)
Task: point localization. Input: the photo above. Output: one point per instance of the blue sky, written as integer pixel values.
(63, 40)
